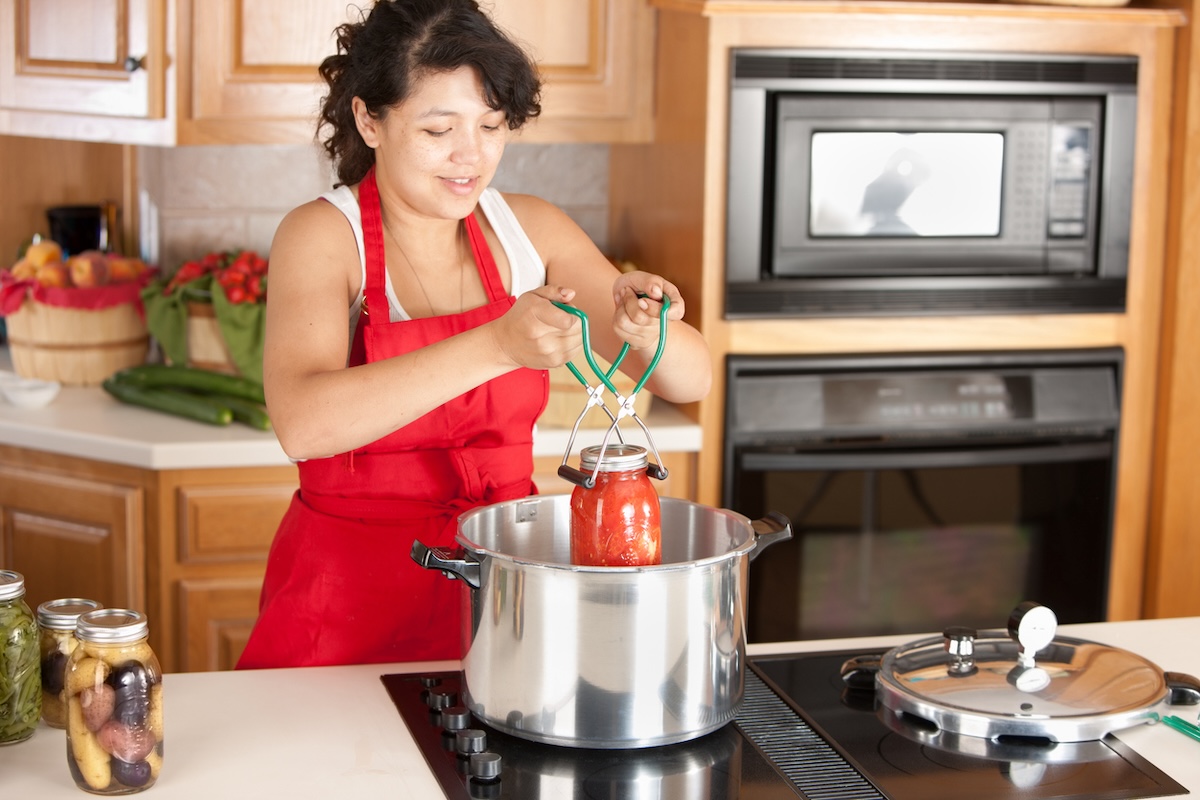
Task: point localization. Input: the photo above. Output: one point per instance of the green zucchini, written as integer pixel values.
(170, 401)
(244, 411)
(200, 380)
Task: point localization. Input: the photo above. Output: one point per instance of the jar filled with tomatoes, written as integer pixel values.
(616, 523)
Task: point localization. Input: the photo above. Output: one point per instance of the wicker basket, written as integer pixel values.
(78, 347)
(568, 398)
(206, 347)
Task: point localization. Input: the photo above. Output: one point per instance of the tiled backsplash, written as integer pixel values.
(197, 199)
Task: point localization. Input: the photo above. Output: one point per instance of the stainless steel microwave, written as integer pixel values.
(870, 183)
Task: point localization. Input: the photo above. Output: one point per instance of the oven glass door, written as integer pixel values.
(912, 539)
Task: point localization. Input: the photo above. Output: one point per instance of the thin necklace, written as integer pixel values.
(462, 271)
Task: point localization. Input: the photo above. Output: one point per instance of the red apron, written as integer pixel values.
(340, 586)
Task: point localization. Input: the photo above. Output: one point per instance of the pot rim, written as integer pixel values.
(743, 548)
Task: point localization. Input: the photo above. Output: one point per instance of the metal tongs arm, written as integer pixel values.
(625, 404)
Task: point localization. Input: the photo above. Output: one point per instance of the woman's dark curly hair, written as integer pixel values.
(397, 41)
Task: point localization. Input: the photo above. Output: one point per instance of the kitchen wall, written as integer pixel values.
(197, 199)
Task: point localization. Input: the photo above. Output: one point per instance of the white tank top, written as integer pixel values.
(528, 270)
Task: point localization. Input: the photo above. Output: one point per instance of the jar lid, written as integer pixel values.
(617, 457)
(61, 615)
(12, 584)
(112, 625)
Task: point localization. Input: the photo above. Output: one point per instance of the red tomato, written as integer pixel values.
(235, 294)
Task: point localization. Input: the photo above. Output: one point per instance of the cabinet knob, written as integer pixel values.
(134, 63)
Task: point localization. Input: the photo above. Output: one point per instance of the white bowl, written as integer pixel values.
(28, 392)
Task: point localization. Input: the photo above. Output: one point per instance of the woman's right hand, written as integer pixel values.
(537, 334)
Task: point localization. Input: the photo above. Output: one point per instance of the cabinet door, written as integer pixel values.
(254, 68)
(596, 58)
(207, 567)
(72, 536)
(104, 57)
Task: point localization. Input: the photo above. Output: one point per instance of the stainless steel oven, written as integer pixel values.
(924, 490)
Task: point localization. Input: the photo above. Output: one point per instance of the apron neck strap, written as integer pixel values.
(374, 293)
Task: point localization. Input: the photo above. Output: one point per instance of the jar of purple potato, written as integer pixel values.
(114, 704)
(56, 623)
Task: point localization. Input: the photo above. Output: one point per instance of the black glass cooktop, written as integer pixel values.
(799, 734)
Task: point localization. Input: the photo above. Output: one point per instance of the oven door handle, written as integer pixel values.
(1041, 454)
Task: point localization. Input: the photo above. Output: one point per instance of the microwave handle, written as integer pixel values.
(1039, 454)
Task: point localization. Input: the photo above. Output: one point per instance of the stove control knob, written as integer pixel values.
(485, 766)
(470, 741)
(456, 718)
(441, 698)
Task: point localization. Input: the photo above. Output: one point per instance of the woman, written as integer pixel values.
(409, 327)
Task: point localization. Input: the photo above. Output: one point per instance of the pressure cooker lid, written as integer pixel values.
(1023, 682)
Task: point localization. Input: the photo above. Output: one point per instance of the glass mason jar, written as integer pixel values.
(20, 675)
(616, 523)
(114, 704)
(56, 619)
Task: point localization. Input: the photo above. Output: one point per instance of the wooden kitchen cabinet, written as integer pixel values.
(232, 72)
(101, 57)
(206, 570)
(91, 70)
(668, 208)
(73, 528)
(187, 546)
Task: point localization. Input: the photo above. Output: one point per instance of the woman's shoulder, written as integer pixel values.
(318, 226)
(540, 219)
(526, 205)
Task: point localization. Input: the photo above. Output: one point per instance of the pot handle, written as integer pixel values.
(1185, 689)
(443, 559)
(772, 528)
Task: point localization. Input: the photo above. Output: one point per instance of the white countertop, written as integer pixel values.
(86, 422)
(331, 732)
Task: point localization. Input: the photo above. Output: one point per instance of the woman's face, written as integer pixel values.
(437, 151)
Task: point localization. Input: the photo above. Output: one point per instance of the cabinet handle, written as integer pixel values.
(134, 63)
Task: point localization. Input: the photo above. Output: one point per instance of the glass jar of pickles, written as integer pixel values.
(114, 704)
(617, 522)
(56, 620)
(20, 677)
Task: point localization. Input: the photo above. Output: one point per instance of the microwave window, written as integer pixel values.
(905, 184)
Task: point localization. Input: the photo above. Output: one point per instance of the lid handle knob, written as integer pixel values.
(960, 644)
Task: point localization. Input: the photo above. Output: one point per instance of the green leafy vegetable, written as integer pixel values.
(20, 672)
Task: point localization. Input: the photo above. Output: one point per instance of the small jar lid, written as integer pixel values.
(616, 458)
(112, 625)
(12, 584)
(63, 614)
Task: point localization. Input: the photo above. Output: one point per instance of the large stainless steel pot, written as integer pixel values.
(603, 657)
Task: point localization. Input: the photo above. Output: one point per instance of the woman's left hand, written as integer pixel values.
(638, 298)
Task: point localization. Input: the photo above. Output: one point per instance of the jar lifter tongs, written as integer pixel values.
(624, 403)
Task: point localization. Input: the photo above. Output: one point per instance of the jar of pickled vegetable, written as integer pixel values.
(616, 523)
(56, 619)
(114, 704)
(20, 677)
